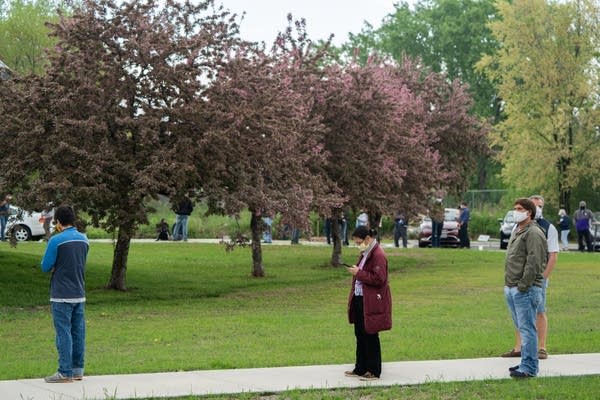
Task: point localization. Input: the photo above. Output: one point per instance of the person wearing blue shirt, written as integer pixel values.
(65, 258)
(463, 223)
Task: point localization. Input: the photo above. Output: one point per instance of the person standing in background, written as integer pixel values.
(268, 229)
(582, 220)
(4, 213)
(362, 219)
(436, 214)
(47, 217)
(183, 211)
(463, 226)
(400, 230)
(564, 225)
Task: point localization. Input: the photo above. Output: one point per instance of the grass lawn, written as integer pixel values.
(194, 306)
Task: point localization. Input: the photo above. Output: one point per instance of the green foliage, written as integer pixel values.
(547, 74)
(447, 35)
(24, 37)
(194, 306)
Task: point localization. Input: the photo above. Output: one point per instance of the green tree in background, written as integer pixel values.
(449, 36)
(24, 36)
(547, 71)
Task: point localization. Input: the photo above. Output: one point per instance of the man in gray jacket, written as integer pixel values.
(523, 279)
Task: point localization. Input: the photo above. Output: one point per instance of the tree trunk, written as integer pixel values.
(336, 239)
(119, 267)
(564, 190)
(256, 228)
(564, 197)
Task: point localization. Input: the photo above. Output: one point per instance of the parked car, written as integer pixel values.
(24, 225)
(449, 229)
(595, 231)
(506, 227)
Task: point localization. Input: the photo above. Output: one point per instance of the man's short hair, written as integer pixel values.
(527, 205)
(65, 215)
(537, 197)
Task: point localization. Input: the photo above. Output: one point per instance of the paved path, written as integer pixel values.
(475, 244)
(263, 380)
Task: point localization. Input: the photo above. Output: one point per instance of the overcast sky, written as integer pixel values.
(264, 18)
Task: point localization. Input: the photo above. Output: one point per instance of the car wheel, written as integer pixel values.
(422, 244)
(21, 233)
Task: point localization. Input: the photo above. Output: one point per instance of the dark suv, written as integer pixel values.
(506, 227)
(449, 229)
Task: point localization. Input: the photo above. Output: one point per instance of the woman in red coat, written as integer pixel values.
(369, 303)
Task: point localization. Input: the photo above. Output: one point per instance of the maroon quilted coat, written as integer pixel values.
(377, 298)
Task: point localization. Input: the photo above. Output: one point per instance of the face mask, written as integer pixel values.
(520, 216)
(538, 212)
(582, 208)
(363, 246)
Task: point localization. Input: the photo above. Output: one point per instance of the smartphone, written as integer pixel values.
(346, 265)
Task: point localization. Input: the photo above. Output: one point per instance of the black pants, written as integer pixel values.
(436, 233)
(400, 232)
(368, 348)
(463, 236)
(584, 238)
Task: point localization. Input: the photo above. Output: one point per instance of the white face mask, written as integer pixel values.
(538, 212)
(520, 216)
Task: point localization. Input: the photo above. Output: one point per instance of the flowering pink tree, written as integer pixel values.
(264, 143)
(104, 128)
(395, 133)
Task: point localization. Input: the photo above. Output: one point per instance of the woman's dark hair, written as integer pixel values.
(528, 205)
(65, 215)
(362, 232)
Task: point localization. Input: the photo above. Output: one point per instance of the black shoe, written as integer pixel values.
(516, 367)
(518, 374)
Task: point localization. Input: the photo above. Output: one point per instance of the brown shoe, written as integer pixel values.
(368, 377)
(511, 353)
(351, 374)
(542, 354)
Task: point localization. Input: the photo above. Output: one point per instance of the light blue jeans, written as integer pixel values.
(564, 237)
(523, 309)
(69, 323)
(181, 225)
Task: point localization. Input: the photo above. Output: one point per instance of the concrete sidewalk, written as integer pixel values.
(261, 380)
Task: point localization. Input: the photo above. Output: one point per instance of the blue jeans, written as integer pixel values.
(3, 220)
(69, 323)
(523, 309)
(181, 225)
